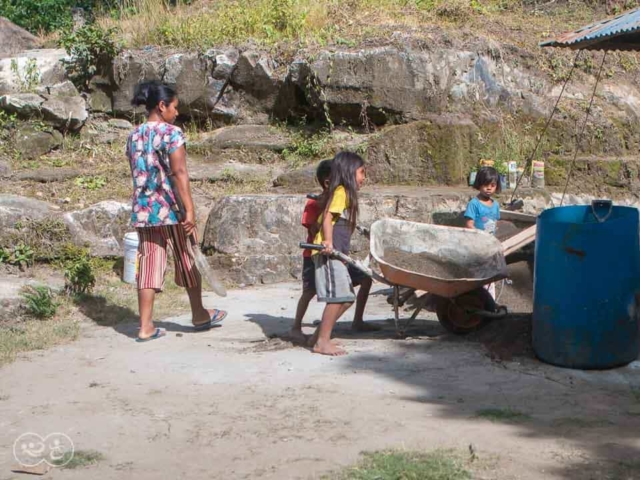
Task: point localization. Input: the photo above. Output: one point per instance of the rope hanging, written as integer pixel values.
(584, 125)
(529, 161)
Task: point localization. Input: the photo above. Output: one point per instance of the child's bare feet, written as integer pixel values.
(297, 337)
(313, 339)
(328, 348)
(362, 326)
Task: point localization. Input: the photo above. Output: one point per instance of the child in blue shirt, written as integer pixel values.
(483, 212)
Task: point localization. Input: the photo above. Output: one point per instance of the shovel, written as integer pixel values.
(205, 269)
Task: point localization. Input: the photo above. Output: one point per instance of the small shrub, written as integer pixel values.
(304, 147)
(7, 120)
(454, 10)
(91, 183)
(79, 276)
(20, 255)
(46, 15)
(91, 50)
(39, 302)
(27, 79)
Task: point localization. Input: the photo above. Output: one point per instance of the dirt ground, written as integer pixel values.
(241, 402)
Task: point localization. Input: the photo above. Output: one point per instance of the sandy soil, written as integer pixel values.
(241, 402)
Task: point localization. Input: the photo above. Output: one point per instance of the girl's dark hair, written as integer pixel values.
(151, 93)
(323, 171)
(487, 175)
(343, 172)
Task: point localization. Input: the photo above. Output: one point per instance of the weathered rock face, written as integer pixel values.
(439, 151)
(63, 111)
(62, 89)
(189, 71)
(255, 237)
(246, 136)
(47, 175)
(14, 208)
(47, 62)
(14, 39)
(230, 172)
(299, 181)
(130, 68)
(25, 105)
(99, 95)
(32, 143)
(101, 227)
(219, 86)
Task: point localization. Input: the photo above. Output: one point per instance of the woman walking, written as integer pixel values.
(163, 210)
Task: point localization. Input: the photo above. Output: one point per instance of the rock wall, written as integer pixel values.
(254, 238)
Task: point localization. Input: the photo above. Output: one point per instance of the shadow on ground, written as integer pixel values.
(594, 417)
(122, 319)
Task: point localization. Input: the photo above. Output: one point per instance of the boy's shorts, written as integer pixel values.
(333, 282)
(309, 274)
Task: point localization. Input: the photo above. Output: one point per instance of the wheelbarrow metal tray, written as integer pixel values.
(476, 251)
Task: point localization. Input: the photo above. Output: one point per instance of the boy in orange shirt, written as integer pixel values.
(312, 212)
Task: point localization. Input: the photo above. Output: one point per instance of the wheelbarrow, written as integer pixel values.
(462, 304)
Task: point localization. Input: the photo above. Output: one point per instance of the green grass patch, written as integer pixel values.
(80, 459)
(35, 335)
(400, 465)
(502, 415)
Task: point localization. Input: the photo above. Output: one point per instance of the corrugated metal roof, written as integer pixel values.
(618, 33)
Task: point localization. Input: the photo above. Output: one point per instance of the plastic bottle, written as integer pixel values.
(537, 174)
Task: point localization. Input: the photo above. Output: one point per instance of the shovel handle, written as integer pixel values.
(311, 246)
(345, 258)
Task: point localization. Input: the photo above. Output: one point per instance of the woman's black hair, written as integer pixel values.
(151, 93)
(323, 172)
(343, 172)
(487, 175)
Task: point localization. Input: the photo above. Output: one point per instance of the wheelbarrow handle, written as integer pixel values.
(345, 258)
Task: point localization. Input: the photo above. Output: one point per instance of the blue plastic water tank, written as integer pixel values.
(586, 278)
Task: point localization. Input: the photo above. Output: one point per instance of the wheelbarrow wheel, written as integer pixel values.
(454, 316)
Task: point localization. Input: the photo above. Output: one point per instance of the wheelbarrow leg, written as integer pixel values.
(396, 309)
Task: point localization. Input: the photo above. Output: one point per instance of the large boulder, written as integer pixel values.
(25, 105)
(439, 151)
(14, 39)
(14, 208)
(130, 68)
(188, 72)
(255, 237)
(101, 227)
(255, 73)
(257, 234)
(48, 175)
(65, 112)
(300, 181)
(246, 137)
(232, 172)
(31, 142)
(386, 85)
(62, 89)
(46, 61)
(61, 108)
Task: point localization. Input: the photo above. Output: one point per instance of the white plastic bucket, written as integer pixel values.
(130, 257)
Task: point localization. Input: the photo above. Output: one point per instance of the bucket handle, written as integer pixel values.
(600, 204)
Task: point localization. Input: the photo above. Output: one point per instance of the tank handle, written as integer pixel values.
(601, 204)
